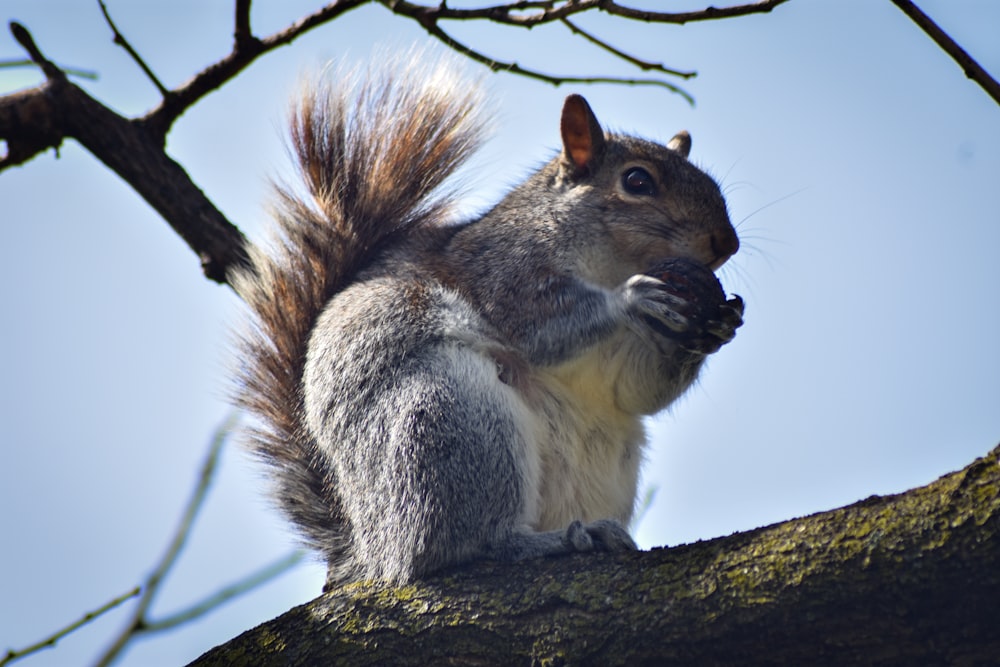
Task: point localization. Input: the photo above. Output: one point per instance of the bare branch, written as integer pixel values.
(242, 34)
(707, 14)
(120, 40)
(247, 49)
(516, 13)
(137, 621)
(29, 124)
(223, 595)
(530, 13)
(70, 71)
(51, 640)
(972, 69)
(27, 42)
(522, 14)
(641, 64)
(431, 26)
(37, 119)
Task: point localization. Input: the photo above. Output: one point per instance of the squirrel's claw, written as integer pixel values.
(730, 319)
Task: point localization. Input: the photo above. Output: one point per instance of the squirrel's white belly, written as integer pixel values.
(590, 449)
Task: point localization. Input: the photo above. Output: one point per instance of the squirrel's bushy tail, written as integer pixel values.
(373, 151)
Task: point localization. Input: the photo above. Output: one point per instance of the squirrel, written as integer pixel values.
(431, 391)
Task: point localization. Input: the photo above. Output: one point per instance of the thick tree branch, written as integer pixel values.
(28, 125)
(138, 157)
(972, 69)
(37, 119)
(911, 579)
(34, 120)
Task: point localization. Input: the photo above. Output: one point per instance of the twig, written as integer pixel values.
(51, 640)
(520, 14)
(707, 14)
(641, 64)
(529, 13)
(249, 48)
(245, 52)
(223, 595)
(972, 69)
(242, 34)
(496, 65)
(642, 508)
(26, 41)
(137, 622)
(71, 71)
(122, 42)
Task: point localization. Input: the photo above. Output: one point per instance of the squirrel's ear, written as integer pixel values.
(583, 138)
(681, 143)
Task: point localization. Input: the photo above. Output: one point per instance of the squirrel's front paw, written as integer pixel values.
(682, 300)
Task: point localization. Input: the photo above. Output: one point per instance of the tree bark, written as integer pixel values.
(910, 579)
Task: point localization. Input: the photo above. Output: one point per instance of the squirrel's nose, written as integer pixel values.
(724, 244)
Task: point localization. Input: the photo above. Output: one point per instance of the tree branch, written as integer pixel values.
(530, 13)
(27, 42)
(151, 587)
(618, 53)
(120, 40)
(34, 120)
(54, 638)
(227, 593)
(246, 49)
(28, 125)
(906, 579)
(242, 34)
(70, 71)
(432, 27)
(707, 14)
(972, 69)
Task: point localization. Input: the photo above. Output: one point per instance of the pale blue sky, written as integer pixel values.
(862, 170)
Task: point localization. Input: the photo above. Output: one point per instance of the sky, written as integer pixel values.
(861, 169)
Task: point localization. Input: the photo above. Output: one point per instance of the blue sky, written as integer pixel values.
(862, 171)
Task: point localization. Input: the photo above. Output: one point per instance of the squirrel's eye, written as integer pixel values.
(637, 181)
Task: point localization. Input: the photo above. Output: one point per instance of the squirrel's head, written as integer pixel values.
(653, 203)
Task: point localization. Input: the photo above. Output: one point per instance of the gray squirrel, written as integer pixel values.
(431, 391)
